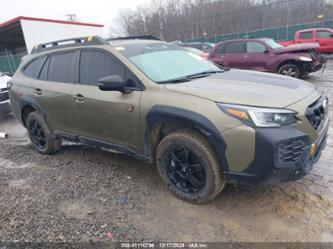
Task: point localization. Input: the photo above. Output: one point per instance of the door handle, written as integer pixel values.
(38, 91)
(79, 98)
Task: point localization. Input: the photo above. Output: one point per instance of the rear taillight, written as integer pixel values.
(9, 84)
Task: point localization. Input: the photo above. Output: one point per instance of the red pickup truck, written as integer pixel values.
(322, 36)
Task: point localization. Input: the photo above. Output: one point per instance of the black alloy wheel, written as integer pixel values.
(37, 135)
(185, 170)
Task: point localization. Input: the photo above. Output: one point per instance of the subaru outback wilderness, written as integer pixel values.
(204, 126)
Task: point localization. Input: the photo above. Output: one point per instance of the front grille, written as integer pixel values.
(4, 95)
(317, 112)
(292, 151)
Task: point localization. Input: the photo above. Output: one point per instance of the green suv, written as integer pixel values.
(203, 126)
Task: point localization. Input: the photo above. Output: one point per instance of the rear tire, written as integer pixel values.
(290, 69)
(41, 137)
(189, 167)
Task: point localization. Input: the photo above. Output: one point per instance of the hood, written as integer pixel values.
(3, 81)
(305, 47)
(247, 88)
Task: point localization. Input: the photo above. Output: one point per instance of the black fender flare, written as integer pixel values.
(29, 101)
(166, 113)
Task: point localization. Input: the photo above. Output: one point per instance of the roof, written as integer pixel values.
(314, 29)
(19, 18)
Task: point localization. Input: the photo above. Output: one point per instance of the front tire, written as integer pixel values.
(290, 69)
(40, 135)
(189, 167)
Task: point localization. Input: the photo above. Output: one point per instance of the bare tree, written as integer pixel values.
(190, 19)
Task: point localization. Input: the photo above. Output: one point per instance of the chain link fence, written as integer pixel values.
(278, 33)
(9, 62)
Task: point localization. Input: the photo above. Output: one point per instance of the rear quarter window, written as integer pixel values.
(220, 49)
(32, 70)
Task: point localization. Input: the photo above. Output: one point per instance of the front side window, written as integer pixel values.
(34, 67)
(162, 62)
(323, 34)
(255, 47)
(61, 67)
(235, 47)
(272, 44)
(95, 65)
(305, 35)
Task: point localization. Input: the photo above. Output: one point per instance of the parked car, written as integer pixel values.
(266, 55)
(4, 96)
(203, 46)
(197, 52)
(202, 125)
(322, 36)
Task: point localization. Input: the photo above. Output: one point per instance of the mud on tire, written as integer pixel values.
(185, 178)
(40, 135)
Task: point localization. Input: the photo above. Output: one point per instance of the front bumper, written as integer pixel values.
(4, 101)
(5, 107)
(281, 154)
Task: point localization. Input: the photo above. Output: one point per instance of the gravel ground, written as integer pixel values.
(83, 194)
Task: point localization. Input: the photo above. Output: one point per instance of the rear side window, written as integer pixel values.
(34, 67)
(95, 65)
(61, 67)
(255, 47)
(323, 34)
(235, 47)
(305, 35)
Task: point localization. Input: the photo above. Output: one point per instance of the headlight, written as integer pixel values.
(261, 117)
(304, 58)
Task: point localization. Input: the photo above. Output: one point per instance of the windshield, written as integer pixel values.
(164, 62)
(273, 44)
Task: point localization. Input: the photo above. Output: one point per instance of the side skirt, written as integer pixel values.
(102, 144)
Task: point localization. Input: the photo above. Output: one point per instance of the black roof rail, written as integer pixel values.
(88, 40)
(138, 37)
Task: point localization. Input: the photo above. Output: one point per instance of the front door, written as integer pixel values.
(257, 56)
(106, 116)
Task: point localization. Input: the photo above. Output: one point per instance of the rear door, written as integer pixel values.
(109, 116)
(53, 88)
(325, 40)
(232, 54)
(257, 56)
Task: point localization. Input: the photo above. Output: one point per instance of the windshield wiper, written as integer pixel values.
(191, 76)
(203, 74)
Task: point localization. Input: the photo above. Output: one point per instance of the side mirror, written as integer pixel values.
(112, 83)
(331, 35)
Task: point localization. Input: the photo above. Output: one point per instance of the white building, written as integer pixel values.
(18, 36)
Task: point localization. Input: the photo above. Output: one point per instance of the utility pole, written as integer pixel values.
(71, 17)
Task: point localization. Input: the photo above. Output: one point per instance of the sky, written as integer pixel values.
(92, 11)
